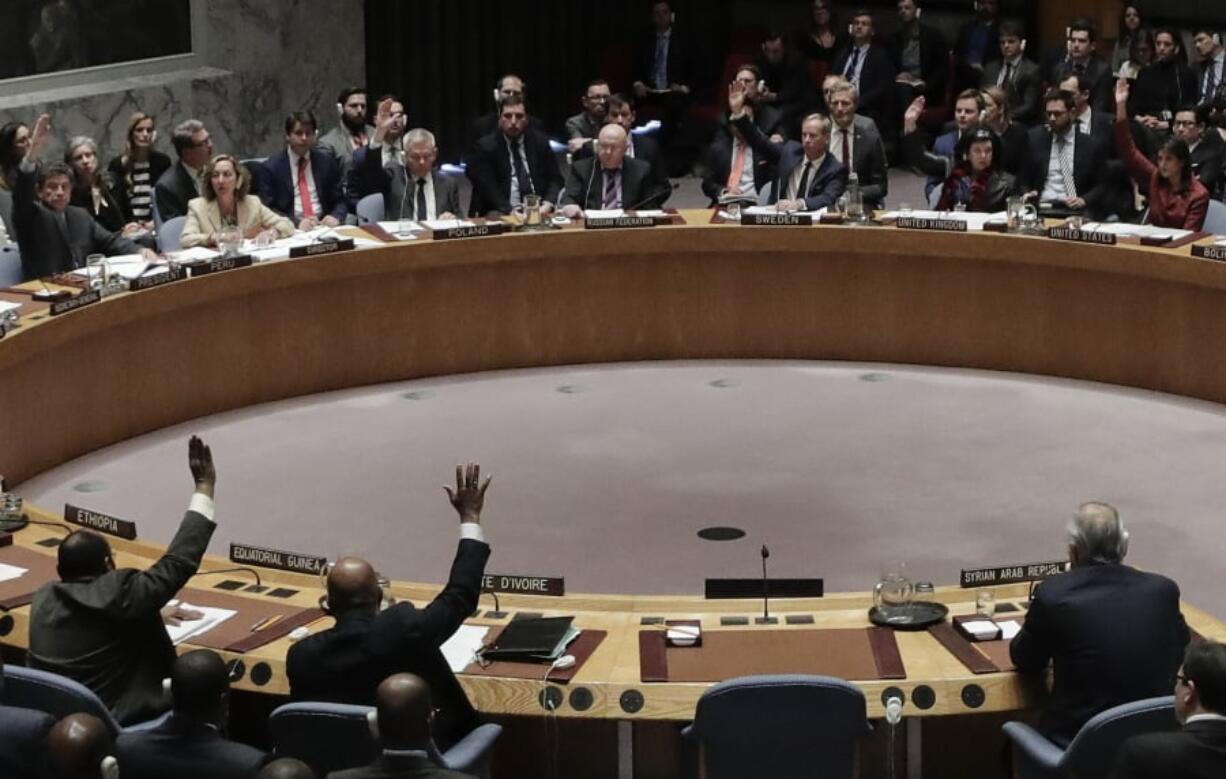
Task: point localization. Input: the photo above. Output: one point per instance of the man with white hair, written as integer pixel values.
(413, 189)
(1113, 634)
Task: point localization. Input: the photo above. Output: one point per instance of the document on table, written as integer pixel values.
(461, 649)
(975, 220)
(190, 628)
(129, 266)
(752, 210)
(10, 572)
(1124, 229)
(196, 253)
(401, 231)
(6, 307)
(447, 224)
(1009, 628)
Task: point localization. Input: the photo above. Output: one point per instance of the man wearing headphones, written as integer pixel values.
(1113, 634)
(352, 132)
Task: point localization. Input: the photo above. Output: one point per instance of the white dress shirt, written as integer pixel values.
(1053, 189)
(1084, 120)
(299, 210)
(836, 144)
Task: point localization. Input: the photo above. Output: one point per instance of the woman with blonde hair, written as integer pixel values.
(226, 205)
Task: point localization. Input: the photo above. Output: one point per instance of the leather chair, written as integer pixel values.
(1215, 218)
(60, 696)
(370, 208)
(10, 265)
(169, 234)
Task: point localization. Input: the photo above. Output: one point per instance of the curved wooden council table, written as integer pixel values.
(1147, 318)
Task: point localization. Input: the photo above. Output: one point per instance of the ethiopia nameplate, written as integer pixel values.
(103, 523)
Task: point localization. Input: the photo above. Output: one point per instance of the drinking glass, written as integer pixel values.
(925, 592)
(894, 590)
(985, 603)
(97, 265)
(230, 240)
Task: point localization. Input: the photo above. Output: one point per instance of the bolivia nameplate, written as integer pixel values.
(73, 303)
(1217, 253)
(1011, 574)
(608, 223)
(322, 247)
(149, 282)
(277, 558)
(777, 220)
(112, 526)
(524, 585)
(471, 231)
(1081, 236)
(944, 225)
(220, 264)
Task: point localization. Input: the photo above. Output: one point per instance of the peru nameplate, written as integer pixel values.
(777, 220)
(73, 303)
(1081, 236)
(1011, 574)
(277, 558)
(103, 523)
(323, 247)
(1210, 253)
(220, 264)
(524, 585)
(944, 225)
(149, 282)
(472, 231)
(608, 223)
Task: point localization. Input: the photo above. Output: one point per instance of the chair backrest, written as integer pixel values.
(325, 736)
(1093, 749)
(168, 235)
(1215, 218)
(370, 208)
(780, 726)
(57, 695)
(10, 265)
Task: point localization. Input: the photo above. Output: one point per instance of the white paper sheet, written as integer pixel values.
(462, 647)
(129, 266)
(447, 224)
(399, 230)
(195, 253)
(1128, 230)
(1009, 628)
(6, 306)
(10, 572)
(190, 628)
(983, 628)
(654, 213)
(604, 213)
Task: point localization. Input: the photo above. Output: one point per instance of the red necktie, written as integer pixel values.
(304, 192)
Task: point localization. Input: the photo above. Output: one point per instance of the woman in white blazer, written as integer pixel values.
(226, 203)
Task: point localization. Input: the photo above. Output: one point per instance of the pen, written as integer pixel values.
(265, 623)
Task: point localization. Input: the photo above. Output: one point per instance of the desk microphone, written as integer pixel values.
(651, 197)
(239, 569)
(766, 615)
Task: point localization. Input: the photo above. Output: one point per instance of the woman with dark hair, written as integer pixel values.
(134, 172)
(226, 204)
(974, 180)
(90, 187)
(824, 38)
(1176, 198)
(1140, 54)
(14, 143)
(1132, 21)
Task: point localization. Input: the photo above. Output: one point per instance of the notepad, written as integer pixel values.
(540, 638)
(461, 649)
(190, 628)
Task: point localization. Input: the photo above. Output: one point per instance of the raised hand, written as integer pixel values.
(200, 460)
(736, 98)
(468, 497)
(39, 135)
(1122, 88)
(915, 110)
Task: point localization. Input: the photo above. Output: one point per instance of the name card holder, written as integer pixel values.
(1081, 236)
(474, 231)
(73, 303)
(218, 265)
(942, 225)
(1211, 252)
(322, 247)
(1010, 574)
(831, 219)
(609, 223)
(777, 220)
(103, 523)
(279, 559)
(149, 282)
(554, 586)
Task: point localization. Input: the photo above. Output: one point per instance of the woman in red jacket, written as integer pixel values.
(1176, 198)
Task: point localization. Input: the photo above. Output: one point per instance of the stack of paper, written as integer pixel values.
(461, 649)
(6, 307)
(1124, 229)
(195, 627)
(401, 231)
(10, 572)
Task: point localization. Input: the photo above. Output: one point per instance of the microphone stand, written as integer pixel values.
(766, 618)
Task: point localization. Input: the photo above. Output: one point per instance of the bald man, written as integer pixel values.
(346, 663)
(286, 768)
(611, 180)
(79, 747)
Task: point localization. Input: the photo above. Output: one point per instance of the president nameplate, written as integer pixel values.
(777, 220)
(1011, 574)
(277, 558)
(1081, 236)
(73, 303)
(220, 264)
(611, 222)
(322, 247)
(942, 225)
(1217, 253)
(471, 231)
(103, 523)
(149, 282)
(524, 585)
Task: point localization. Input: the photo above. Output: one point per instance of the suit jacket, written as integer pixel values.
(186, 749)
(719, 166)
(679, 67)
(1089, 160)
(1207, 160)
(1198, 751)
(51, 245)
(581, 126)
(339, 143)
(204, 218)
(23, 747)
(1025, 89)
(791, 82)
(584, 184)
(934, 58)
(345, 663)
(396, 190)
(876, 81)
(646, 149)
(868, 161)
(488, 123)
(825, 185)
(399, 767)
(1113, 634)
(1102, 83)
(172, 192)
(278, 186)
(1102, 130)
(107, 633)
(108, 214)
(1162, 87)
(121, 184)
(490, 171)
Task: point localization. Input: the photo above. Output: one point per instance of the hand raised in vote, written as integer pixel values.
(1122, 88)
(39, 135)
(468, 497)
(736, 98)
(200, 460)
(914, 111)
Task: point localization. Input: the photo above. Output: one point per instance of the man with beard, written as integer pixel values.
(352, 132)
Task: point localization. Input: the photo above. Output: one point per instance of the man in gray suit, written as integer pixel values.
(583, 127)
(103, 626)
(856, 138)
(352, 131)
(414, 189)
(56, 237)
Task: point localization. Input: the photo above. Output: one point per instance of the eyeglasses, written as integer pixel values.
(1181, 679)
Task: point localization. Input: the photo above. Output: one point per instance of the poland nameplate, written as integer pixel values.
(471, 231)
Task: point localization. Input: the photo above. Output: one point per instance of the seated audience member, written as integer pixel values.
(1015, 74)
(1132, 21)
(967, 109)
(978, 43)
(414, 189)
(869, 69)
(346, 663)
(1078, 56)
(825, 37)
(286, 768)
(134, 172)
(855, 143)
(1112, 634)
(509, 85)
(663, 73)
(611, 180)
(734, 168)
(79, 747)
(639, 147)
(585, 125)
(1012, 135)
(1063, 164)
(403, 718)
(809, 178)
(227, 203)
(512, 162)
(385, 144)
(1198, 749)
(90, 188)
(103, 626)
(1210, 66)
(22, 747)
(14, 143)
(920, 56)
(191, 743)
(976, 181)
(769, 119)
(786, 87)
(1097, 124)
(54, 236)
(1176, 198)
(1164, 86)
(183, 180)
(304, 183)
(1140, 54)
(352, 131)
(1205, 145)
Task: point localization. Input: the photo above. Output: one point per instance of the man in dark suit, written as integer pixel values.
(1078, 56)
(103, 626)
(190, 744)
(1018, 76)
(978, 43)
(854, 141)
(1198, 751)
(1098, 125)
(1204, 144)
(638, 146)
(611, 180)
(22, 749)
(509, 85)
(583, 126)
(182, 181)
(304, 183)
(809, 177)
(662, 83)
(1113, 634)
(56, 237)
(920, 56)
(414, 189)
(79, 747)
(787, 86)
(1210, 67)
(384, 145)
(404, 713)
(347, 662)
(869, 68)
(512, 162)
(1064, 166)
(734, 167)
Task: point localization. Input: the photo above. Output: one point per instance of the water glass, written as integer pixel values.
(894, 590)
(925, 592)
(98, 271)
(733, 209)
(985, 603)
(230, 240)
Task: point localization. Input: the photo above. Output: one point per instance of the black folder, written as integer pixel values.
(534, 638)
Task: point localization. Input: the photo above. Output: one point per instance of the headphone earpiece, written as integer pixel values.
(1217, 39)
(497, 95)
(851, 29)
(1023, 44)
(110, 767)
(672, 17)
(166, 685)
(340, 109)
(372, 723)
(918, 11)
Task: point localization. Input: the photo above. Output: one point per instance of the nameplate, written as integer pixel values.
(607, 223)
(112, 526)
(220, 264)
(777, 220)
(1011, 574)
(149, 282)
(277, 558)
(1217, 253)
(323, 247)
(474, 231)
(723, 589)
(944, 225)
(1081, 236)
(72, 304)
(6, 539)
(524, 585)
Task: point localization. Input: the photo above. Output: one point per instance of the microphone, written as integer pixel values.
(665, 191)
(766, 618)
(239, 569)
(591, 177)
(498, 613)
